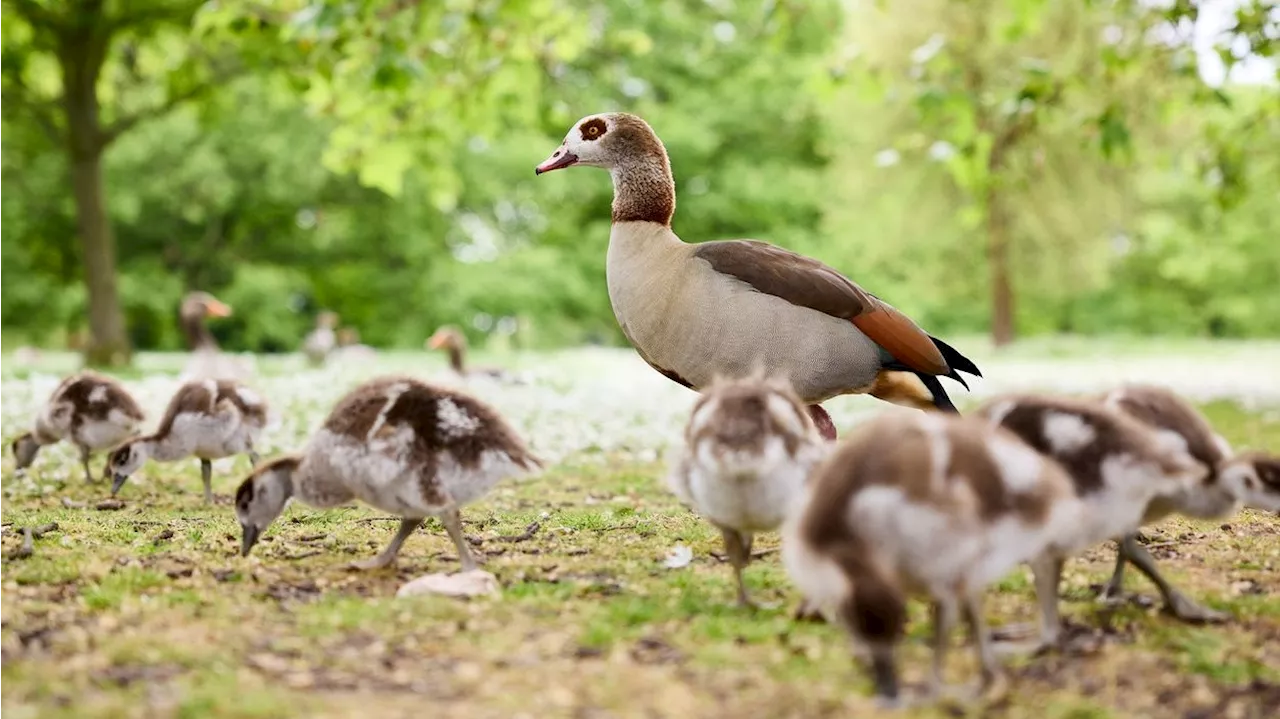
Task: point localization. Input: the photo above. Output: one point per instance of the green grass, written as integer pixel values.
(149, 611)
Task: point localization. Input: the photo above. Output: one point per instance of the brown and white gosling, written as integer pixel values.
(398, 444)
(749, 447)
(921, 504)
(92, 411)
(1227, 485)
(451, 340)
(1120, 469)
(208, 419)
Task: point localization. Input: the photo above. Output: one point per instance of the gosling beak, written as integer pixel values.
(559, 159)
(251, 534)
(215, 308)
(436, 342)
(117, 481)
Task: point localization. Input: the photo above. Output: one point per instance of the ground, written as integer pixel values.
(148, 610)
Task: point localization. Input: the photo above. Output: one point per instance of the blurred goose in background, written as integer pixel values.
(401, 445)
(453, 341)
(92, 411)
(749, 446)
(322, 340)
(698, 311)
(207, 359)
(207, 419)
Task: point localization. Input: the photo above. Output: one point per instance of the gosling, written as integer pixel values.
(1228, 484)
(398, 444)
(749, 446)
(92, 411)
(208, 419)
(922, 504)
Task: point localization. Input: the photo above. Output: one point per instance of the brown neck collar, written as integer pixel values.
(455, 358)
(643, 189)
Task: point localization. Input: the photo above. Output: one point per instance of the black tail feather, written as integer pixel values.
(956, 361)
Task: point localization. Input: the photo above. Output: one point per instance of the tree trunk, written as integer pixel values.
(108, 342)
(1002, 301)
(81, 52)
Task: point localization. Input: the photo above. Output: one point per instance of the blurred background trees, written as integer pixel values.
(1006, 167)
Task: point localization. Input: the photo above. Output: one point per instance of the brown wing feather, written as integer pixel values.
(902, 338)
(809, 283)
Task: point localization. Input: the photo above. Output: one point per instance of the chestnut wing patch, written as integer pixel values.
(806, 282)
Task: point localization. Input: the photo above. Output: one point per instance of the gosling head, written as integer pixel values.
(124, 460)
(262, 497)
(1254, 477)
(25, 448)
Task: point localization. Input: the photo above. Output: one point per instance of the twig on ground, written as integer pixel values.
(369, 520)
(44, 529)
(312, 538)
(28, 545)
(301, 555)
(524, 536)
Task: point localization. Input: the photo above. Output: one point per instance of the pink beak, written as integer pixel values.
(559, 159)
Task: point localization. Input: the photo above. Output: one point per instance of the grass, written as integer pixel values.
(150, 611)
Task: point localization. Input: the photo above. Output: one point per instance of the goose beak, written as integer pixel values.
(559, 159)
(215, 308)
(251, 534)
(117, 482)
(436, 341)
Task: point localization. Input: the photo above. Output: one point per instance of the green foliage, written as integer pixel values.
(374, 158)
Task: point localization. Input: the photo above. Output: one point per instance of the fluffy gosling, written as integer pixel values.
(749, 446)
(400, 445)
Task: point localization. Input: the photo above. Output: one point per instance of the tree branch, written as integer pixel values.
(39, 16)
(123, 124)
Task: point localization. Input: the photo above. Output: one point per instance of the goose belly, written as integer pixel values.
(727, 330)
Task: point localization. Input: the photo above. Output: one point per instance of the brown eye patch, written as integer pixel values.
(592, 129)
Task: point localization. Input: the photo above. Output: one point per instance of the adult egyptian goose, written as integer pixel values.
(922, 504)
(322, 340)
(207, 359)
(1227, 485)
(1120, 469)
(403, 446)
(92, 411)
(451, 340)
(697, 311)
(208, 419)
(749, 446)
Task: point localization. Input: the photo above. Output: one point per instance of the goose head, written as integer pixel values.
(607, 140)
(447, 337)
(124, 460)
(201, 305)
(262, 497)
(25, 448)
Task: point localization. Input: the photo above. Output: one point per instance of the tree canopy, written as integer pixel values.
(1018, 168)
